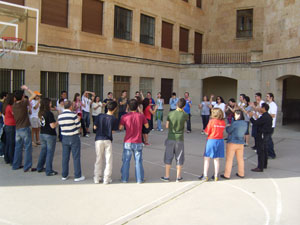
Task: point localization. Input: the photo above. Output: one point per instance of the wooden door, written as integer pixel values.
(198, 48)
(166, 89)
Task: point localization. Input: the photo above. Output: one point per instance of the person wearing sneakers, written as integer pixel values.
(48, 137)
(34, 119)
(214, 148)
(104, 125)
(133, 122)
(175, 142)
(23, 132)
(70, 125)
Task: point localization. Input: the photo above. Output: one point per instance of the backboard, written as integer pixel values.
(18, 29)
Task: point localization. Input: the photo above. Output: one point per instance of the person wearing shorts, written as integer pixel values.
(175, 142)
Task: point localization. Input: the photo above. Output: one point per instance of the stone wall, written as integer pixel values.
(281, 29)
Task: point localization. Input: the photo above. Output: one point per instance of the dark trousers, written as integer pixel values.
(205, 119)
(94, 119)
(151, 123)
(120, 115)
(59, 134)
(83, 127)
(10, 140)
(262, 150)
(188, 123)
(271, 151)
(254, 134)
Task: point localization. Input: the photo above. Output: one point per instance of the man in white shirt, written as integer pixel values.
(273, 112)
(86, 106)
(241, 102)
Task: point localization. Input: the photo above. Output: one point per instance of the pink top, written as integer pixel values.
(77, 109)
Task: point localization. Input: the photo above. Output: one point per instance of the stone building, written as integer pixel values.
(221, 47)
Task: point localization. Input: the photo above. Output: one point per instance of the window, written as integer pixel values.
(53, 83)
(55, 12)
(146, 85)
(11, 80)
(147, 35)
(167, 35)
(92, 16)
(199, 3)
(244, 23)
(123, 23)
(185, 0)
(184, 40)
(92, 82)
(18, 2)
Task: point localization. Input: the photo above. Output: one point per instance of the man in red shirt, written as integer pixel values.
(133, 122)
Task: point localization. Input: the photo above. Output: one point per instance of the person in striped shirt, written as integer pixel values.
(70, 125)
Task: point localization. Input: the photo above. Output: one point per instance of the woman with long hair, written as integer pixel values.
(246, 109)
(9, 129)
(148, 112)
(235, 145)
(96, 110)
(48, 137)
(77, 108)
(220, 104)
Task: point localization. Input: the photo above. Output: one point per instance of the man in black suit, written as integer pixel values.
(264, 132)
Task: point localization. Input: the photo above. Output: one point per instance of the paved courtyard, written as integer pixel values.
(271, 197)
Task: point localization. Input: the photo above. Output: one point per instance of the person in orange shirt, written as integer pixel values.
(215, 143)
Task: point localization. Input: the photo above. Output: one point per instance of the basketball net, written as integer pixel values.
(8, 44)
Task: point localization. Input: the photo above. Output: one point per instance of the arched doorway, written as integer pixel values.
(291, 100)
(222, 86)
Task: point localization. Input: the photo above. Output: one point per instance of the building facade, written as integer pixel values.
(223, 47)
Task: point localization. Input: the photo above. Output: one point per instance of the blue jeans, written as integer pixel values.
(48, 143)
(158, 124)
(71, 144)
(1, 143)
(136, 149)
(86, 119)
(10, 140)
(23, 139)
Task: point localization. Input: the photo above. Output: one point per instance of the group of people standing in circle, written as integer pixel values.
(18, 113)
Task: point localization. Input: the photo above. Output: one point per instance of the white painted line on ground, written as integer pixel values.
(278, 197)
(279, 206)
(255, 198)
(7, 222)
(153, 203)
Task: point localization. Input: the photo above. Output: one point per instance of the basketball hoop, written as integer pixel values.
(8, 44)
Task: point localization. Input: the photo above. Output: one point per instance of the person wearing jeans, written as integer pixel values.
(23, 138)
(273, 113)
(205, 112)
(23, 131)
(187, 109)
(133, 122)
(160, 111)
(135, 149)
(9, 129)
(86, 106)
(70, 125)
(48, 137)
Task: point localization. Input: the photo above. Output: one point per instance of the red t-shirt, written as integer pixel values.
(147, 112)
(215, 129)
(9, 117)
(133, 122)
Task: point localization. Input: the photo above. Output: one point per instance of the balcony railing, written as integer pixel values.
(223, 58)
